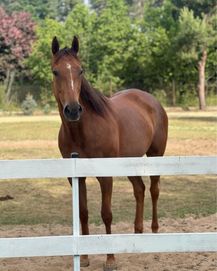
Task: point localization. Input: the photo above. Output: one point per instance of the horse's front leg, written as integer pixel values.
(106, 213)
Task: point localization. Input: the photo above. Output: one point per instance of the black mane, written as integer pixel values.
(93, 98)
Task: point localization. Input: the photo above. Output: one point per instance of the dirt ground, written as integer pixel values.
(126, 262)
(197, 147)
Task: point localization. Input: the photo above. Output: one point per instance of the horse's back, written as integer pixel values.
(137, 98)
(137, 102)
(142, 122)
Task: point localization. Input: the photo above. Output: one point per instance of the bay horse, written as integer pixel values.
(131, 123)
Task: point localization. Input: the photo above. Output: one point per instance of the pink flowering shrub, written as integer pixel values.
(16, 36)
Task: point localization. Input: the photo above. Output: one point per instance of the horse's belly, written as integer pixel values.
(135, 137)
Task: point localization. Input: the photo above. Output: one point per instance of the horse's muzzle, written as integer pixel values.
(72, 112)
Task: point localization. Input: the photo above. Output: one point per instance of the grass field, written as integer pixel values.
(49, 201)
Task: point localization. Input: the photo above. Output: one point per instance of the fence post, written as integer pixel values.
(75, 213)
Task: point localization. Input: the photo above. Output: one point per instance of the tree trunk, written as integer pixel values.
(201, 81)
(9, 83)
(7, 79)
(173, 93)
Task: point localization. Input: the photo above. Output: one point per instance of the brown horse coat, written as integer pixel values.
(131, 123)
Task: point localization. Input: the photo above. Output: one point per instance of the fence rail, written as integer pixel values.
(133, 166)
(107, 244)
(77, 245)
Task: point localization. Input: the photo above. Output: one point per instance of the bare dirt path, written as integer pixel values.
(126, 262)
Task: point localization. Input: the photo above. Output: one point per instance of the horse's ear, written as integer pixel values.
(55, 46)
(75, 45)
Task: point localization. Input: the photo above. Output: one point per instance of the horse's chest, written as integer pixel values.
(97, 142)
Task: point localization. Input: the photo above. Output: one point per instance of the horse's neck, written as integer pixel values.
(93, 99)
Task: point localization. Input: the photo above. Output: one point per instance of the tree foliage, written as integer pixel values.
(157, 45)
(16, 37)
(17, 34)
(41, 9)
(39, 61)
(110, 50)
(80, 23)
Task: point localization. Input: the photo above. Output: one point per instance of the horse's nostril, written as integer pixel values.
(72, 111)
(80, 108)
(66, 110)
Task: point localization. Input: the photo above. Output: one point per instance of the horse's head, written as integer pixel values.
(67, 78)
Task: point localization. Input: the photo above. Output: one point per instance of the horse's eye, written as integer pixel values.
(81, 72)
(55, 72)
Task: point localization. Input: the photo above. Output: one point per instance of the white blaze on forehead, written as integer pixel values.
(69, 67)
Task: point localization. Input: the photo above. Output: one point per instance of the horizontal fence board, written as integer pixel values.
(37, 246)
(148, 243)
(142, 166)
(103, 244)
(147, 166)
(39, 168)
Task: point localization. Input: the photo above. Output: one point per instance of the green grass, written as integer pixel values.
(180, 196)
(192, 129)
(29, 131)
(49, 201)
(29, 137)
(198, 125)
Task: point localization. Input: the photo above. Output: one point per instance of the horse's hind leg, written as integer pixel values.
(139, 193)
(154, 189)
(155, 150)
(106, 213)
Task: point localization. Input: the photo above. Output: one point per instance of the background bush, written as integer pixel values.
(28, 105)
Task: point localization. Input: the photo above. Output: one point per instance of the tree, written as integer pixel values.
(136, 8)
(211, 72)
(158, 58)
(79, 23)
(16, 37)
(109, 45)
(98, 5)
(41, 9)
(38, 8)
(193, 39)
(205, 11)
(60, 9)
(176, 46)
(120, 49)
(39, 60)
(199, 7)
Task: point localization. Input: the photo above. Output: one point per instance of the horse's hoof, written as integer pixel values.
(154, 227)
(84, 262)
(110, 267)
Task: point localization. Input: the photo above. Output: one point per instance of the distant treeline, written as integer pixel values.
(166, 47)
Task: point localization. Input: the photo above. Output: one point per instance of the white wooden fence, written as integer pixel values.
(77, 245)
